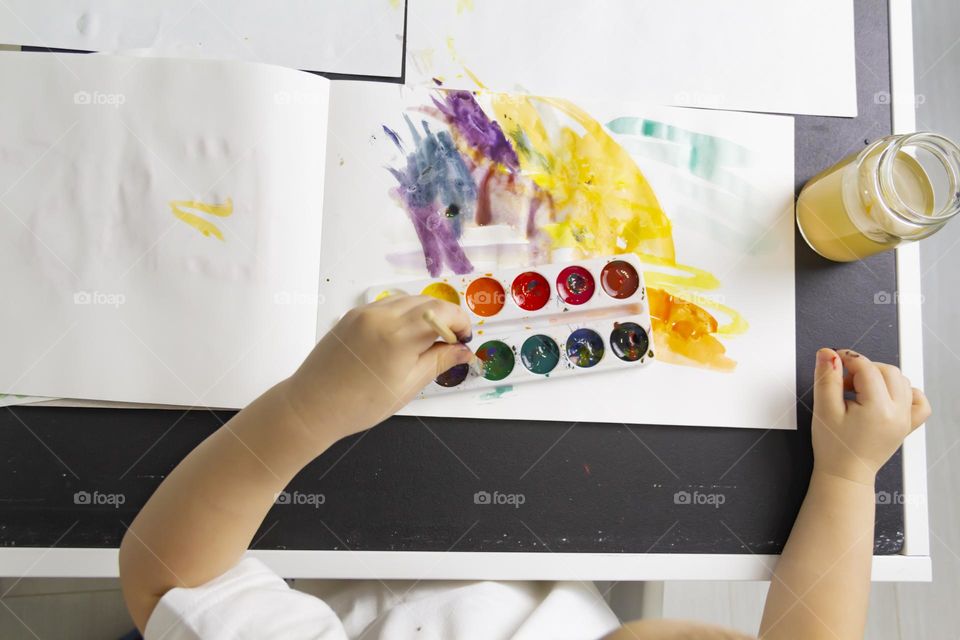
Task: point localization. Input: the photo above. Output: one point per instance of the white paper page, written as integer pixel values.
(109, 294)
(724, 180)
(750, 55)
(342, 36)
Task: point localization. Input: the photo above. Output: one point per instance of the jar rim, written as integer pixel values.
(940, 147)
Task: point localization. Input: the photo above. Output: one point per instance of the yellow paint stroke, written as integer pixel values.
(603, 205)
(456, 58)
(205, 227)
(395, 3)
(464, 5)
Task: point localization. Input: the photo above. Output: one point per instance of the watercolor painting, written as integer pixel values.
(559, 179)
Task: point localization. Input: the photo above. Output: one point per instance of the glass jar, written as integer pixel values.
(899, 189)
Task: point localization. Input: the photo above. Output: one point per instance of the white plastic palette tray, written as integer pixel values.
(543, 322)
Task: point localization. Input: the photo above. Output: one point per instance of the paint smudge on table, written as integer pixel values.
(561, 187)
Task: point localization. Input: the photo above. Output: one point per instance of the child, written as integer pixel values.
(180, 561)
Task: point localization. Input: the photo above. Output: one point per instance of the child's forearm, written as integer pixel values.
(821, 584)
(204, 515)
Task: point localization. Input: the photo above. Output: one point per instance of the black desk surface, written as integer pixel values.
(409, 484)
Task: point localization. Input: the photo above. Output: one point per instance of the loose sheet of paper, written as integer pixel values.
(338, 36)
(724, 180)
(159, 226)
(750, 55)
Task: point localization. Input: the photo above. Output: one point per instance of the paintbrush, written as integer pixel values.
(442, 330)
(447, 334)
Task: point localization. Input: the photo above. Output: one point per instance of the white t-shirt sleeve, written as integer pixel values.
(248, 601)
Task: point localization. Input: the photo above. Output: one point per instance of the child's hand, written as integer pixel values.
(852, 439)
(374, 361)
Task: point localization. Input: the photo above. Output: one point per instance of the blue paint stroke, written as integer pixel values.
(438, 192)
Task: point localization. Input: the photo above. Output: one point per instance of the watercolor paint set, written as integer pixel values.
(553, 320)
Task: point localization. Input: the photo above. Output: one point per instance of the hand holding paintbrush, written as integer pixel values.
(442, 330)
(445, 332)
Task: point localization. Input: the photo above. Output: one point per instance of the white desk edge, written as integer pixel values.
(912, 564)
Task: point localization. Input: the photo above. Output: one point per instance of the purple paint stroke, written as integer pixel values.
(393, 136)
(466, 115)
(438, 191)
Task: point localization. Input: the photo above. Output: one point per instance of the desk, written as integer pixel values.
(598, 498)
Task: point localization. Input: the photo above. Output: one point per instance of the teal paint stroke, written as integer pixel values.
(721, 178)
(497, 392)
(716, 189)
(706, 155)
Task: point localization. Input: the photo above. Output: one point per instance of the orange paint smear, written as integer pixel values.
(683, 333)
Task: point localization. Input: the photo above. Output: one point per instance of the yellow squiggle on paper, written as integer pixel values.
(205, 227)
(456, 58)
(603, 205)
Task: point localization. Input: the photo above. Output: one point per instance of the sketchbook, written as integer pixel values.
(182, 232)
